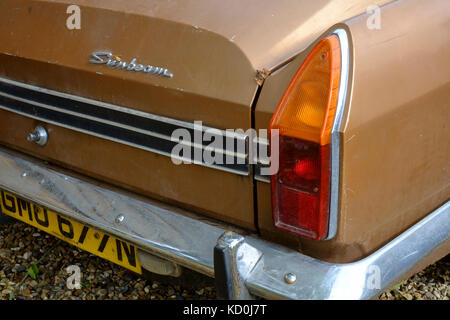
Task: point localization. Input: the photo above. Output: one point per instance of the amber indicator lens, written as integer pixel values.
(308, 106)
(304, 118)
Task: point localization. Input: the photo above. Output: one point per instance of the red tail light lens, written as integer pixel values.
(301, 188)
(304, 118)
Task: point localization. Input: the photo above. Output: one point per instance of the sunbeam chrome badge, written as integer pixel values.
(113, 61)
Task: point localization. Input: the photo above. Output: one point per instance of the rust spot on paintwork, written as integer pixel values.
(261, 75)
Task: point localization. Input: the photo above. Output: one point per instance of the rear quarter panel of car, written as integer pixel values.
(395, 166)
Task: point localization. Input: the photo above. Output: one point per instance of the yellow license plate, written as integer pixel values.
(71, 231)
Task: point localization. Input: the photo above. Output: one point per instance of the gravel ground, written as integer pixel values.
(21, 245)
(433, 283)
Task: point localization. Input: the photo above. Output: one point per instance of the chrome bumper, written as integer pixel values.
(247, 266)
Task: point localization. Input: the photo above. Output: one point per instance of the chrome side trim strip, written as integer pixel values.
(118, 124)
(262, 147)
(259, 176)
(105, 105)
(131, 138)
(111, 123)
(167, 233)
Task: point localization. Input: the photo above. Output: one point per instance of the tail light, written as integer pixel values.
(304, 118)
